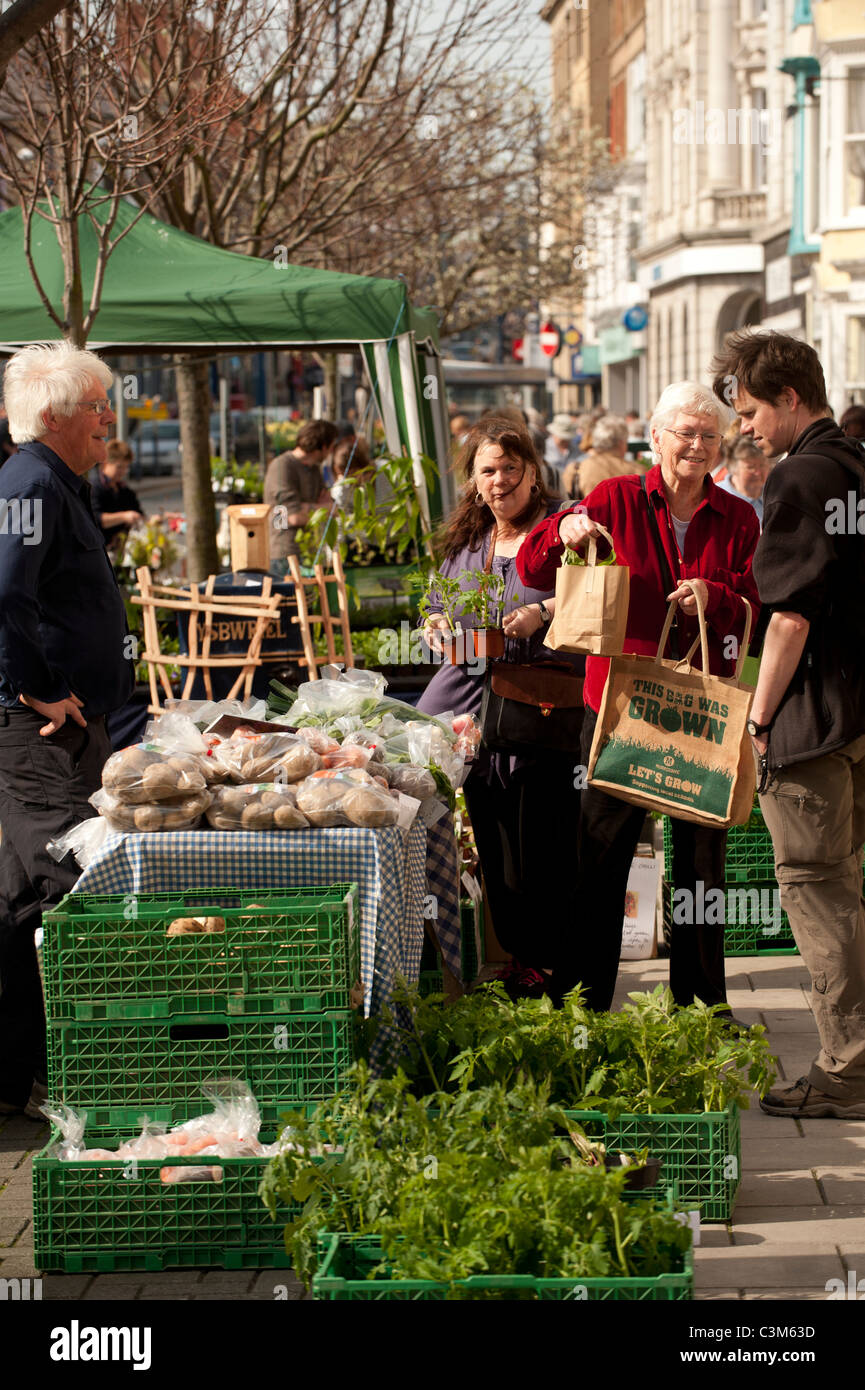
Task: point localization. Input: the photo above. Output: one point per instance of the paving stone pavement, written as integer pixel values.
(799, 1220)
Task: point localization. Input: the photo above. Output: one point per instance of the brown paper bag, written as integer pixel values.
(669, 738)
(591, 604)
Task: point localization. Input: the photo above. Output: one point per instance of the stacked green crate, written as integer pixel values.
(140, 1020)
(755, 922)
(472, 936)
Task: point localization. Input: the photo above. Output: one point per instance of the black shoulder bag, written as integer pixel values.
(531, 706)
(666, 574)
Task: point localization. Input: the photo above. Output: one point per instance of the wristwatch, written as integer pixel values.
(546, 615)
(755, 730)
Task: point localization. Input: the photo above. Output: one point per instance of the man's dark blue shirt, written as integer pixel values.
(62, 620)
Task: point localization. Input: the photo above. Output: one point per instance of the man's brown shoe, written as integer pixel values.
(802, 1101)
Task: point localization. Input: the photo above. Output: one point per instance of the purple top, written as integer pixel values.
(460, 688)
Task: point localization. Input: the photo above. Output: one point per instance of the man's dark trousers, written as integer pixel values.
(44, 788)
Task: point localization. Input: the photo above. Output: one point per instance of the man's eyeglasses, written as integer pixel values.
(691, 436)
(95, 407)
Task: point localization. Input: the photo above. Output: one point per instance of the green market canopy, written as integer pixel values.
(167, 291)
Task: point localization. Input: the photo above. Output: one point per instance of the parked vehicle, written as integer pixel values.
(156, 446)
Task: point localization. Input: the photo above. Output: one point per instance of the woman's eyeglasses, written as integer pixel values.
(691, 436)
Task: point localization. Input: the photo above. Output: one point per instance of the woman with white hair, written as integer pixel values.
(671, 525)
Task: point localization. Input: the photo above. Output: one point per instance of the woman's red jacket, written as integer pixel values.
(719, 547)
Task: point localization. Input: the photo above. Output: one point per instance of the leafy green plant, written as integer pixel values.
(484, 599)
(397, 520)
(487, 1182)
(282, 434)
(231, 476)
(370, 528)
(150, 543)
(441, 593)
(365, 644)
(651, 1057)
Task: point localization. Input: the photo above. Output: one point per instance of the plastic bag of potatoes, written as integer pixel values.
(251, 756)
(347, 797)
(142, 775)
(180, 812)
(259, 806)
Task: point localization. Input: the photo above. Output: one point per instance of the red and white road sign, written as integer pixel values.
(517, 349)
(550, 340)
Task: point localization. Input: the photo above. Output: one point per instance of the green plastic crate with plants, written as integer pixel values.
(654, 1075)
(437, 1197)
(426, 1185)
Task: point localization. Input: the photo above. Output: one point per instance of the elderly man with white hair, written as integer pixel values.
(65, 662)
(605, 459)
(671, 525)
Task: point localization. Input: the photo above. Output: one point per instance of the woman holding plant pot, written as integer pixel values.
(523, 808)
(672, 525)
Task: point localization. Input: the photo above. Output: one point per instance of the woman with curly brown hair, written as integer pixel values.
(523, 808)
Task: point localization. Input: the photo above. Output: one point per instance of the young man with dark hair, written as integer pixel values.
(294, 485)
(808, 716)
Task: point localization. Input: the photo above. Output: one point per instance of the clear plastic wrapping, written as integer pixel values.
(250, 756)
(256, 806)
(347, 797)
(142, 775)
(181, 813)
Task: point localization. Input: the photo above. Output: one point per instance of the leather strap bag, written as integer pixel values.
(666, 573)
(530, 707)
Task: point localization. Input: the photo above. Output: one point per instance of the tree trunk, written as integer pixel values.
(331, 385)
(193, 397)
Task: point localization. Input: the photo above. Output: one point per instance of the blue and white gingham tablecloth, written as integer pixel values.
(389, 867)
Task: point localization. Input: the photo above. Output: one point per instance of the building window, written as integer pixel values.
(635, 106)
(856, 357)
(758, 150)
(811, 171)
(684, 342)
(669, 346)
(854, 140)
(801, 13)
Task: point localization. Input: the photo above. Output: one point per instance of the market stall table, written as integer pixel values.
(388, 865)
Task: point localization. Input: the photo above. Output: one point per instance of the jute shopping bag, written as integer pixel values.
(591, 603)
(673, 739)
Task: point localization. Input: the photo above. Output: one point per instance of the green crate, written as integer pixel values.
(749, 851)
(471, 922)
(345, 1262)
(118, 1072)
(100, 1216)
(430, 982)
(761, 934)
(750, 856)
(110, 958)
(701, 1154)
